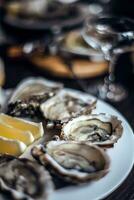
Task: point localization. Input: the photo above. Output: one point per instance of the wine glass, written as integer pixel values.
(113, 36)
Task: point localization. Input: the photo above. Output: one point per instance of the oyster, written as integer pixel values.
(100, 129)
(26, 8)
(75, 162)
(26, 99)
(23, 179)
(65, 106)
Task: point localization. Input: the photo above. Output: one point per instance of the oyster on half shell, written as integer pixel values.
(29, 94)
(65, 106)
(75, 162)
(22, 179)
(100, 129)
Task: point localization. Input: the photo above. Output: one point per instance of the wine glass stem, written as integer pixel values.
(111, 76)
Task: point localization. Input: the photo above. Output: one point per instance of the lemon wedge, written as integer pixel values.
(12, 133)
(35, 128)
(12, 147)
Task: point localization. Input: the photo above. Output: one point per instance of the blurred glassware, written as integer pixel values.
(67, 1)
(73, 43)
(43, 15)
(85, 64)
(95, 9)
(113, 36)
(29, 7)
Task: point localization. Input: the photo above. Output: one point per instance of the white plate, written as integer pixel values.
(122, 159)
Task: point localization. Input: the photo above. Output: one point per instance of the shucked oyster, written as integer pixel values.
(26, 99)
(65, 106)
(99, 129)
(73, 161)
(23, 179)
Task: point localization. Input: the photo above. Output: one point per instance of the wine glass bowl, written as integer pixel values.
(113, 36)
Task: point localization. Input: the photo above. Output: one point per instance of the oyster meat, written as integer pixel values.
(22, 179)
(100, 129)
(65, 106)
(75, 162)
(26, 99)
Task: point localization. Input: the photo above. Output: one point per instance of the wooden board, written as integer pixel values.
(2, 73)
(83, 68)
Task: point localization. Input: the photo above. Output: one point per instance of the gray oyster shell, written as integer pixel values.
(65, 106)
(74, 162)
(22, 179)
(27, 97)
(99, 129)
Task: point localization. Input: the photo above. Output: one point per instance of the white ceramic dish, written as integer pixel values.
(121, 156)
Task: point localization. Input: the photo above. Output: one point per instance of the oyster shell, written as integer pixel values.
(100, 129)
(75, 162)
(27, 97)
(23, 179)
(65, 106)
